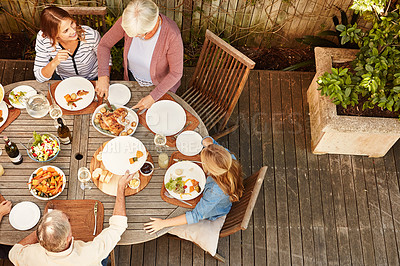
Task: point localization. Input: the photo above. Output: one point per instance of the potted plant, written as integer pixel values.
(374, 78)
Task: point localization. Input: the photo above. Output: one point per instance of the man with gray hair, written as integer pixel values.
(53, 243)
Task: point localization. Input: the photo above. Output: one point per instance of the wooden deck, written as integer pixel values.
(313, 210)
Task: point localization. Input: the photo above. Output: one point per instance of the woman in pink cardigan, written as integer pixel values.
(153, 51)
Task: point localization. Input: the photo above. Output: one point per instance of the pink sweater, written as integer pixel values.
(166, 67)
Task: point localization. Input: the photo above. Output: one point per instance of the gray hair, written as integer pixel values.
(139, 17)
(53, 231)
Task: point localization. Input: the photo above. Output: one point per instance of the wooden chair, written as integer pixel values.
(93, 17)
(239, 216)
(217, 82)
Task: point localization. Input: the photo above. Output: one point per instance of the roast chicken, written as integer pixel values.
(109, 121)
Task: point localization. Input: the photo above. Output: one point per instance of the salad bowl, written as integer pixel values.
(43, 148)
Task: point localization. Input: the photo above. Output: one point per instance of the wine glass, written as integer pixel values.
(55, 112)
(84, 177)
(160, 141)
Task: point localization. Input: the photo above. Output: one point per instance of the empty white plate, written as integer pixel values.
(24, 215)
(166, 117)
(119, 94)
(189, 143)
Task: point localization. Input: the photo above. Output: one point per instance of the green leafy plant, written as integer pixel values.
(377, 66)
(117, 51)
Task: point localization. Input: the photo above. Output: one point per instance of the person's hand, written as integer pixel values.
(145, 102)
(207, 141)
(124, 180)
(156, 225)
(102, 86)
(5, 208)
(62, 55)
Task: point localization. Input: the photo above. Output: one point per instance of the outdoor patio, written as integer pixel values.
(313, 210)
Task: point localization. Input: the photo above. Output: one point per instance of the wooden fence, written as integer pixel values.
(255, 23)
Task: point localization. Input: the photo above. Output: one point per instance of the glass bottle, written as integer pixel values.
(63, 132)
(12, 151)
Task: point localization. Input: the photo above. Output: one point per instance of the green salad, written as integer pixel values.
(176, 185)
(15, 96)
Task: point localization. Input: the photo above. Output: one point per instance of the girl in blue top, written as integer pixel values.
(224, 185)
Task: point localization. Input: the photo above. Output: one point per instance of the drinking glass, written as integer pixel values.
(84, 177)
(160, 141)
(55, 112)
(36, 105)
(163, 160)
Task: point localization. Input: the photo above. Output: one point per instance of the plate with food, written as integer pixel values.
(124, 153)
(119, 94)
(43, 148)
(185, 180)
(75, 93)
(3, 113)
(47, 182)
(120, 121)
(1, 93)
(24, 215)
(19, 92)
(166, 117)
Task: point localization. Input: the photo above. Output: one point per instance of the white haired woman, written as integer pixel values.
(153, 51)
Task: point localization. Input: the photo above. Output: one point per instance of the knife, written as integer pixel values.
(108, 104)
(95, 218)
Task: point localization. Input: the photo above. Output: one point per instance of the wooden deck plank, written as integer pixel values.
(351, 210)
(280, 175)
(386, 212)
(245, 160)
(256, 164)
(137, 254)
(291, 172)
(8, 74)
(150, 253)
(302, 171)
(363, 212)
(315, 187)
(271, 227)
(342, 229)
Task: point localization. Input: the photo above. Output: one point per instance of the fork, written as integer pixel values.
(170, 196)
(9, 106)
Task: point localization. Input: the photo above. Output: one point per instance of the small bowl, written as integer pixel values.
(134, 180)
(152, 169)
(50, 158)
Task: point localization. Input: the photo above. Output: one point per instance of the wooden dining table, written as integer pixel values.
(86, 140)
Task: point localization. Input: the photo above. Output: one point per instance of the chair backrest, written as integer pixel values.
(220, 75)
(93, 17)
(239, 216)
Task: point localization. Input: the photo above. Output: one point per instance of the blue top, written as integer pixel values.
(214, 203)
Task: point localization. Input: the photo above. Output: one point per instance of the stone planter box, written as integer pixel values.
(340, 134)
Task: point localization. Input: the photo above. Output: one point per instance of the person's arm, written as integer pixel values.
(5, 208)
(119, 207)
(158, 224)
(109, 39)
(29, 239)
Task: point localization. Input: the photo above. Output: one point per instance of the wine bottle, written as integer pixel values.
(12, 151)
(63, 132)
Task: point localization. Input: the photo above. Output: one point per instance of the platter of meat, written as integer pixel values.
(120, 121)
(75, 93)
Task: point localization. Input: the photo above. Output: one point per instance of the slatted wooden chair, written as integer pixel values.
(217, 82)
(93, 17)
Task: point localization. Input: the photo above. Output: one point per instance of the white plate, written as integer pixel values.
(132, 116)
(189, 143)
(4, 109)
(118, 151)
(119, 94)
(24, 215)
(190, 171)
(166, 117)
(1, 93)
(73, 85)
(23, 88)
(45, 168)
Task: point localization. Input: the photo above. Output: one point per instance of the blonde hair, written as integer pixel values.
(139, 17)
(53, 231)
(227, 172)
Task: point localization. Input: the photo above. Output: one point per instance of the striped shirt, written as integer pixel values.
(82, 63)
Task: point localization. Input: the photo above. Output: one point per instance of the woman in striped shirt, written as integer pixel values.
(63, 48)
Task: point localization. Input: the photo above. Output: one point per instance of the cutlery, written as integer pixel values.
(95, 218)
(180, 131)
(178, 160)
(51, 96)
(9, 106)
(108, 104)
(169, 196)
(142, 112)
